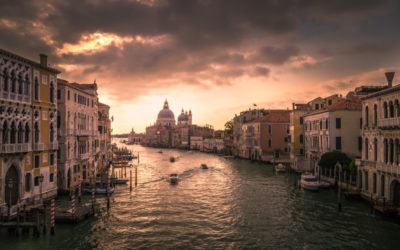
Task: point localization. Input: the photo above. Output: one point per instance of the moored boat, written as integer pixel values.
(101, 188)
(280, 168)
(203, 166)
(309, 182)
(172, 159)
(117, 181)
(324, 184)
(173, 178)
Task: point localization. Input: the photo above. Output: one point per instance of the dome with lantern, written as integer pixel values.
(166, 117)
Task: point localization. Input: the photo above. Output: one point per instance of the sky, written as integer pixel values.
(215, 57)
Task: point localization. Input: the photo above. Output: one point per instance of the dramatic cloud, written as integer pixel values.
(148, 47)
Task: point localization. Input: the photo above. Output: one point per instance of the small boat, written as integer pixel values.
(309, 182)
(203, 166)
(101, 188)
(324, 184)
(117, 181)
(228, 156)
(173, 178)
(160, 152)
(172, 159)
(280, 168)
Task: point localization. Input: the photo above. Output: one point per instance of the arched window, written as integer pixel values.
(386, 149)
(27, 133)
(391, 151)
(397, 107)
(37, 132)
(5, 132)
(385, 110)
(51, 133)
(5, 80)
(13, 82)
(28, 182)
(27, 86)
(375, 114)
(375, 149)
(366, 116)
(366, 148)
(51, 92)
(391, 109)
(36, 88)
(13, 132)
(20, 84)
(20, 133)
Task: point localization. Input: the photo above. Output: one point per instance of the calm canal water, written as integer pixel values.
(234, 204)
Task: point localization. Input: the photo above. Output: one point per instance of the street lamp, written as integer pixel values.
(41, 186)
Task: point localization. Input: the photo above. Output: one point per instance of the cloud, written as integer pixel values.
(276, 55)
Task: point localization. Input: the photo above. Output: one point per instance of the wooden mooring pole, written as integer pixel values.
(52, 216)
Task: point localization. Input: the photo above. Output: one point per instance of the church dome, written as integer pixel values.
(166, 116)
(183, 117)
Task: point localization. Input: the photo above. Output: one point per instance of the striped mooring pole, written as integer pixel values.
(73, 204)
(79, 191)
(108, 193)
(52, 216)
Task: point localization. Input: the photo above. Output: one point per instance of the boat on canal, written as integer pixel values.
(173, 178)
(172, 159)
(101, 189)
(203, 166)
(309, 182)
(280, 168)
(117, 181)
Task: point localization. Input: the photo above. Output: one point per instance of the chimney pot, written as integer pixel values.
(43, 59)
(389, 78)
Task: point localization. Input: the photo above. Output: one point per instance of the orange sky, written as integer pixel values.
(216, 58)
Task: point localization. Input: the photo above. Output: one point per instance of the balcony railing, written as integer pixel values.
(38, 147)
(15, 148)
(83, 132)
(26, 98)
(388, 168)
(84, 156)
(54, 145)
(389, 122)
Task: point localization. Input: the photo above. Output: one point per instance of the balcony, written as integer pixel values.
(389, 123)
(38, 147)
(54, 145)
(388, 168)
(81, 132)
(15, 148)
(84, 156)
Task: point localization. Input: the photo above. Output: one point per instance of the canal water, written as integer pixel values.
(235, 204)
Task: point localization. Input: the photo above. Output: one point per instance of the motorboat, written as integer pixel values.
(228, 156)
(324, 184)
(117, 181)
(173, 178)
(309, 182)
(160, 152)
(203, 166)
(172, 159)
(101, 188)
(280, 168)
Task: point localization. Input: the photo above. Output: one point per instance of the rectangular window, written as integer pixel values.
(51, 159)
(301, 120)
(51, 177)
(58, 94)
(361, 122)
(338, 123)
(269, 129)
(301, 151)
(36, 181)
(37, 161)
(68, 95)
(359, 143)
(269, 143)
(338, 143)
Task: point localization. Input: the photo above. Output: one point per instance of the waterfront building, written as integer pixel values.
(379, 169)
(104, 138)
(296, 137)
(167, 133)
(215, 145)
(28, 144)
(335, 126)
(265, 138)
(238, 121)
(78, 133)
(196, 143)
(135, 138)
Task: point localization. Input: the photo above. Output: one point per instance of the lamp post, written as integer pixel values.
(339, 167)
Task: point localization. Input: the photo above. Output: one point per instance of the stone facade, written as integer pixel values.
(28, 144)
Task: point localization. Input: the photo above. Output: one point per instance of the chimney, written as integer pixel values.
(43, 59)
(389, 78)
